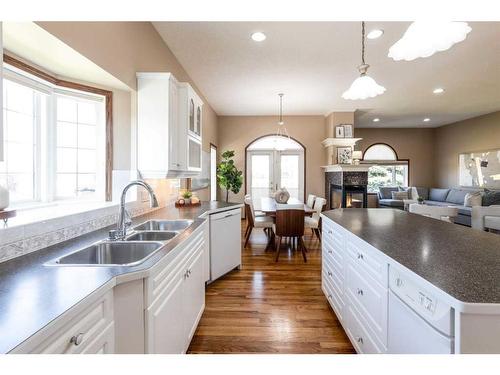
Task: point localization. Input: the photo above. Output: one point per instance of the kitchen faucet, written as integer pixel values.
(121, 230)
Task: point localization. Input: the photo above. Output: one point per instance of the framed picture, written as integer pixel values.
(344, 155)
(480, 169)
(347, 130)
(339, 131)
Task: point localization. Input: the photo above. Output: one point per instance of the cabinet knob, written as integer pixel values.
(329, 273)
(330, 232)
(330, 296)
(360, 340)
(77, 339)
(360, 256)
(329, 251)
(359, 291)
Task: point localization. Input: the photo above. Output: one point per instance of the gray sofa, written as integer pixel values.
(432, 197)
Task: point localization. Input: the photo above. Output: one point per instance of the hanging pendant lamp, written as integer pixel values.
(363, 87)
(281, 131)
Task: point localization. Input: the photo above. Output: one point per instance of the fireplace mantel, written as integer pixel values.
(346, 167)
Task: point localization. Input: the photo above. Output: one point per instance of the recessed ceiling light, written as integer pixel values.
(258, 36)
(375, 33)
(438, 90)
(427, 119)
(376, 119)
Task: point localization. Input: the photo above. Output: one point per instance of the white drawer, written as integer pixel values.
(334, 274)
(332, 234)
(334, 298)
(370, 299)
(333, 256)
(86, 327)
(368, 258)
(360, 338)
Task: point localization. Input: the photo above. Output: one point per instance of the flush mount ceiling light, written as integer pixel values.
(375, 33)
(438, 90)
(376, 119)
(364, 86)
(427, 119)
(259, 36)
(424, 39)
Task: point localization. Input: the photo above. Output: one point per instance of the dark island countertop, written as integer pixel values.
(32, 294)
(461, 261)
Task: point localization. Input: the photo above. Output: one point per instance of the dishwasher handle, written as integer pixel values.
(224, 215)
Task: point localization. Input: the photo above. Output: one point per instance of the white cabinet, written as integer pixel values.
(88, 328)
(166, 109)
(355, 282)
(175, 296)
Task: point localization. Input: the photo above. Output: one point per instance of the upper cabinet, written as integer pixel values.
(169, 127)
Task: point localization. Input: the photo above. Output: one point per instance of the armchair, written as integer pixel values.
(486, 217)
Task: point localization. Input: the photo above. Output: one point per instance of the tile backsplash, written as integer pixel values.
(23, 239)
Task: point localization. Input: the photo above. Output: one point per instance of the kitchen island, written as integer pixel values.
(403, 283)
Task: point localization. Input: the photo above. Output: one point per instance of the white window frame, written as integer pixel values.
(389, 163)
(46, 155)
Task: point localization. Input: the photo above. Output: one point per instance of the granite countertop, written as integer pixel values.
(32, 294)
(462, 262)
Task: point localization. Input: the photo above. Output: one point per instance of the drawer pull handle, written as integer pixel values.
(330, 232)
(360, 340)
(359, 291)
(329, 251)
(77, 339)
(329, 296)
(329, 273)
(360, 256)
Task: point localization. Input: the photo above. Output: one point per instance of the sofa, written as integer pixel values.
(437, 197)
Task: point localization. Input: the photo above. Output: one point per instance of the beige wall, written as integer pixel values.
(122, 49)
(414, 144)
(476, 134)
(236, 132)
(331, 121)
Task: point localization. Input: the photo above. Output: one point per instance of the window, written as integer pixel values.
(388, 171)
(54, 141)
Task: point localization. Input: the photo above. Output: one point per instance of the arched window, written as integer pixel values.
(387, 169)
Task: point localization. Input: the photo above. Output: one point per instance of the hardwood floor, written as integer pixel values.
(269, 307)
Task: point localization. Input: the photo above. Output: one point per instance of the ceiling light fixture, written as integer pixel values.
(376, 119)
(375, 33)
(281, 132)
(364, 86)
(438, 90)
(259, 36)
(424, 39)
(427, 119)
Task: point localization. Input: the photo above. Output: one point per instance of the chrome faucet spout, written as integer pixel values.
(121, 230)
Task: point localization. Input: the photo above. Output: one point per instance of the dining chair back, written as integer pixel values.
(290, 223)
(310, 200)
(263, 222)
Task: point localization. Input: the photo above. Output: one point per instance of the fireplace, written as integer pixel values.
(346, 189)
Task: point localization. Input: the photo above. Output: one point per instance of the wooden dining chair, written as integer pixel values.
(263, 222)
(290, 223)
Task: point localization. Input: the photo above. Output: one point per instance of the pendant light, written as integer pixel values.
(425, 38)
(281, 132)
(364, 86)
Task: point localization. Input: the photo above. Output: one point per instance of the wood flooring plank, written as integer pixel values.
(269, 307)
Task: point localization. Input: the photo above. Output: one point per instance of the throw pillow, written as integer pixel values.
(473, 199)
(491, 197)
(399, 195)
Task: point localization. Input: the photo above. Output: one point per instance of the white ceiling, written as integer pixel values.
(314, 62)
(34, 44)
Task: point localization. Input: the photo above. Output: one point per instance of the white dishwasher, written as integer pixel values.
(419, 323)
(225, 242)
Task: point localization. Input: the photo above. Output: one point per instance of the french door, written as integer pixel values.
(270, 170)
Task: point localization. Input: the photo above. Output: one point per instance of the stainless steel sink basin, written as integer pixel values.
(152, 236)
(119, 253)
(164, 225)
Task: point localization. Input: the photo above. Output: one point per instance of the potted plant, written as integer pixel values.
(420, 200)
(187, 197)
(228, 176)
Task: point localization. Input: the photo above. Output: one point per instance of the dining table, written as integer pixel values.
(268, 206)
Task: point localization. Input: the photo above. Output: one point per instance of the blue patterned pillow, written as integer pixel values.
(491, 197)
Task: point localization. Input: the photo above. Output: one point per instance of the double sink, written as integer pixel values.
(144, 241)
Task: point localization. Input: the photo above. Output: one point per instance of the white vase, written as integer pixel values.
(4, 198)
